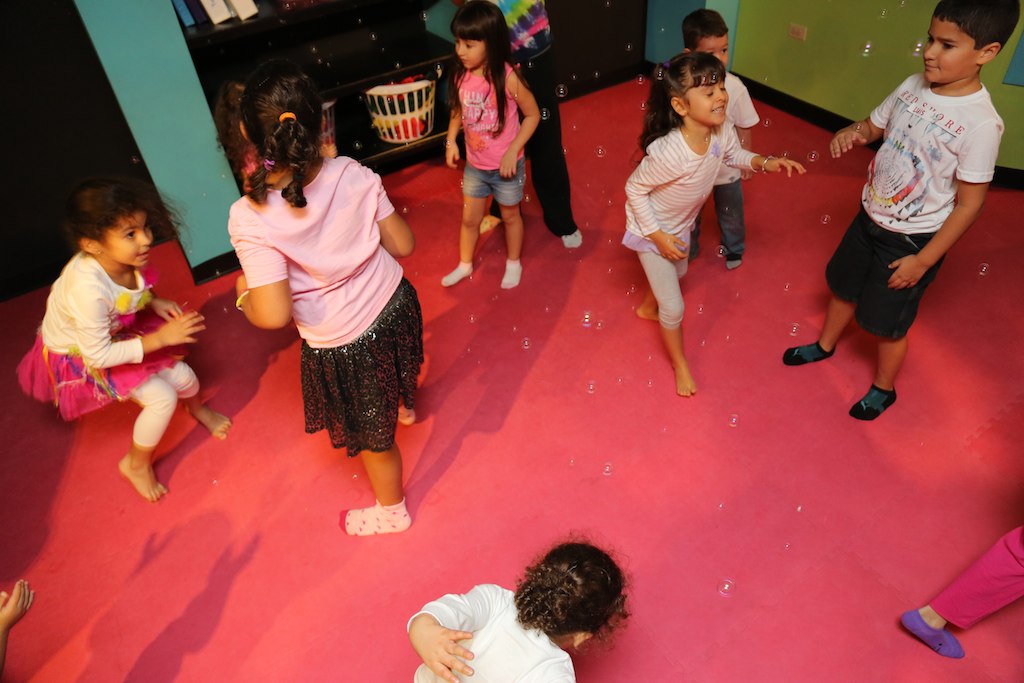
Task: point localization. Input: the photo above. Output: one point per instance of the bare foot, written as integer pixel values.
(142, 478)
(647, 312)
(685, 386)
(218, 424)
(489, 223)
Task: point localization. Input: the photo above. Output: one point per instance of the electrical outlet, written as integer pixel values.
(798, 32)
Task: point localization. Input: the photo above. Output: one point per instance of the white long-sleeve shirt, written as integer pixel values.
(503, 651)
(83, 311)
(669, 187)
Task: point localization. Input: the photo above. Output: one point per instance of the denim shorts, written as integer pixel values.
(481, 184)
(859, 273)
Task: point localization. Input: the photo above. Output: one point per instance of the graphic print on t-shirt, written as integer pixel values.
(479, 117)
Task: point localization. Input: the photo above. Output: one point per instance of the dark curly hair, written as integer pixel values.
(97, 204)
(276, 87)
(226, 116)
(574, 588)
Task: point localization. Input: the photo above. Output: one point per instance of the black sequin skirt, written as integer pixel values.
(353, 390)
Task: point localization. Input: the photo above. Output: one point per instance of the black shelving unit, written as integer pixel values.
(346, 47)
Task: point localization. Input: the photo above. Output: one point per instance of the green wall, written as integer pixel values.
(143, 52)
(832, 70)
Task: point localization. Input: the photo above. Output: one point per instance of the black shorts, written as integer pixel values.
(859, 272)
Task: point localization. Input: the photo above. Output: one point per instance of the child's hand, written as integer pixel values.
(909, 271)
(669, 246)
(14, 606)
(746, 173)
(845, 140)
(509, 161)
(181, 330)
(165, 308)
(776, 165)
(451, 153)
(438, 647)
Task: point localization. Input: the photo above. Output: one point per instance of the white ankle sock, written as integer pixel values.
(379, 519)
(513, 271)
(406, 416)
(573, 241)
(462, 271)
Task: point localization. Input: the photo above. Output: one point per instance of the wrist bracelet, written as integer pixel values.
(240, 299)
(764, 162)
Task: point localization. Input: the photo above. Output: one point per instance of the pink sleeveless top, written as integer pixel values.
(480, 120)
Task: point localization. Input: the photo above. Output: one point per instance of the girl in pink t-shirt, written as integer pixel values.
(491, 93)
(317, 240)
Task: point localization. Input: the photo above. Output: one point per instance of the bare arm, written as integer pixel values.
(268, 307)
(12, 608)
(395, 236)
(531, 119)
(857, 133)
(970, 198)
(451, 145)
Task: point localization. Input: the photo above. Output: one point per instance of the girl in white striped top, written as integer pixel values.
(686, 139)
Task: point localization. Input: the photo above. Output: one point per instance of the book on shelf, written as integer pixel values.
(184, 16)
(244, 9)
(217, 10)
(198, 13)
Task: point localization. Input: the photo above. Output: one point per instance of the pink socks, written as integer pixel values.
(379, 519)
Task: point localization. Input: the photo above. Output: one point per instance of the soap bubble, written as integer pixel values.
(983, 269)
(883, 14)
(734, 420)
(591, 386)
(629, 47)
(812, 156)
(572, 462)
(826, 219)
(472, 317)
(703, 343)
(766, 122)
(587, 320)
(355, 476)
(600, 152)
(373, 36)
(785, 287)
(721, 251)
(641, 79)
(726, 587)
(356, 145)
(597, 75)
(526, 343)
(918, 48)
(721, 505)
(799, 508)
(545, 114)
(866, 50)
(643, 106)
(700, 308)
(561, 90)
(599, 325)
(405, 209)
(794, 329)
(607, 469)
(423, 16)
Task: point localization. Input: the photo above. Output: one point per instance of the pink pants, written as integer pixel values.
(994, 581)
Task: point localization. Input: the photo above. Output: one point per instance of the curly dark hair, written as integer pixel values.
(97, 204)
(226, 116)
(276, 87)
(574, 588)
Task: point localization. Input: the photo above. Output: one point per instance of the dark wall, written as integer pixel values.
(61, 123)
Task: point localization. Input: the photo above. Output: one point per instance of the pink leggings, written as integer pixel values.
(994, 581)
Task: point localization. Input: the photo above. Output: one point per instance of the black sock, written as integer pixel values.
(873, 404)
(808, 353)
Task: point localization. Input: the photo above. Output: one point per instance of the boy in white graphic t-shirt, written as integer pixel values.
(926, 186)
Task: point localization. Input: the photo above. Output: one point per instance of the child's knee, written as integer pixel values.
(670, 314)
(183, 379)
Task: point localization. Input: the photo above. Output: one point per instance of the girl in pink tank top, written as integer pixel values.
(491, 94)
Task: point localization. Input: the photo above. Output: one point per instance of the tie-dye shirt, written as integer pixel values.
(528, 27)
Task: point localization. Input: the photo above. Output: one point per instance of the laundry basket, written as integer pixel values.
(402, 112)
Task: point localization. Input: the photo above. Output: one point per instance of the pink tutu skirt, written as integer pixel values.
(76, 389)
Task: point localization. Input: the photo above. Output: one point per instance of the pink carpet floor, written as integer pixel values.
(549, 411)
